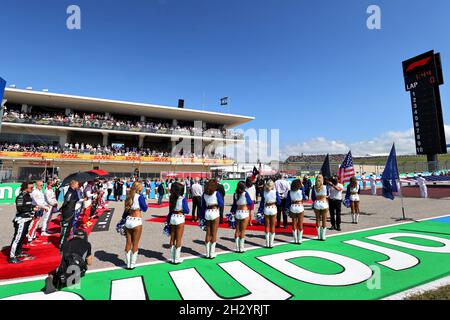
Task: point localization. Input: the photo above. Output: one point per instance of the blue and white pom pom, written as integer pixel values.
(347, 202)
(260, 218)
(120, 227)
(202, 224)
(166, 229)
(231, 221)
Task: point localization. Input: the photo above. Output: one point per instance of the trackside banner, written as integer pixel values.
(93, 157)
(9, 192)
(368, 264)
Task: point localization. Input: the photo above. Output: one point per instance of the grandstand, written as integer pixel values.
(44, 132)
(311, 164)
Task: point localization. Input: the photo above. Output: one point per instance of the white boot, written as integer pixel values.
(295, 234)
(242, 245)
(272, 239)
(300, 236)
(213, 250)
(208, 250)
(267, 240)
(178, 256)
(319, 233)
(357, 218)
(128, 259)
(172, 254)
(134, 260)
(238, 244)
(324, 233)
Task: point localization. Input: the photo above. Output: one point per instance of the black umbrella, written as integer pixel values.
(81, 177)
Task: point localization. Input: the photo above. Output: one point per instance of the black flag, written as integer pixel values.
(325, 171)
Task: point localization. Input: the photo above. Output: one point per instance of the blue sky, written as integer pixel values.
(310, 68)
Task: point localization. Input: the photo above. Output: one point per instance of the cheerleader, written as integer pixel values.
(251, 190)
(135, 204)
(294, 205)
(270, 201)
(212, 203)
(353, 189)
(320, 206)
(242, 205)
(178, 208)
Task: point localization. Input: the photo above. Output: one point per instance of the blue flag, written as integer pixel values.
(390, 176)
(2, 89)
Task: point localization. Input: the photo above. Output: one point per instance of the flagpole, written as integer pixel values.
(401, 197)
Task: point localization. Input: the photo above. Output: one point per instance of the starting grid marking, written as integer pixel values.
(374, 263)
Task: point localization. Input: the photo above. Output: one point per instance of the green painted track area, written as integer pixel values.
(420, 254)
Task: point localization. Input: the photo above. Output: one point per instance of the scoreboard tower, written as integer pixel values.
(423, 76)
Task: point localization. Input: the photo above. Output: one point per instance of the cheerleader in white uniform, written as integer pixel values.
(178, 208)
(294, 205)
(212, 203)
(242, 205)
(135, 204)
(353, 189)
(270, 200)
(320, 198)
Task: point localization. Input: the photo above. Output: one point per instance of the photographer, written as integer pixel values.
(76, 256)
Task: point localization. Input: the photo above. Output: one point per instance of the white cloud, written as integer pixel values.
(404, 143)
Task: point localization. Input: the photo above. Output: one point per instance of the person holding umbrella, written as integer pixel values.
(71, 200)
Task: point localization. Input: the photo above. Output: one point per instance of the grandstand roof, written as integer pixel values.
(88, 104)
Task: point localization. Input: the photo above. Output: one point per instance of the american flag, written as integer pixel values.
(346, 170)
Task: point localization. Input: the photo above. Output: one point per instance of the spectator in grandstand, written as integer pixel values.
(251, 189)
(320, 206)
(50, 199)
(221, 190)
(294, 205)
(282, 187)
(353, 190)
(373, 184)
(211, 202)
(71, 201)
(335, 201)
(135, 204)
(44, 209)
(178, 208)
(197, 192)
(76, 256)
(422, 186)
(101, 121)
(241, 208)
(270, 201)
(25, 211)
